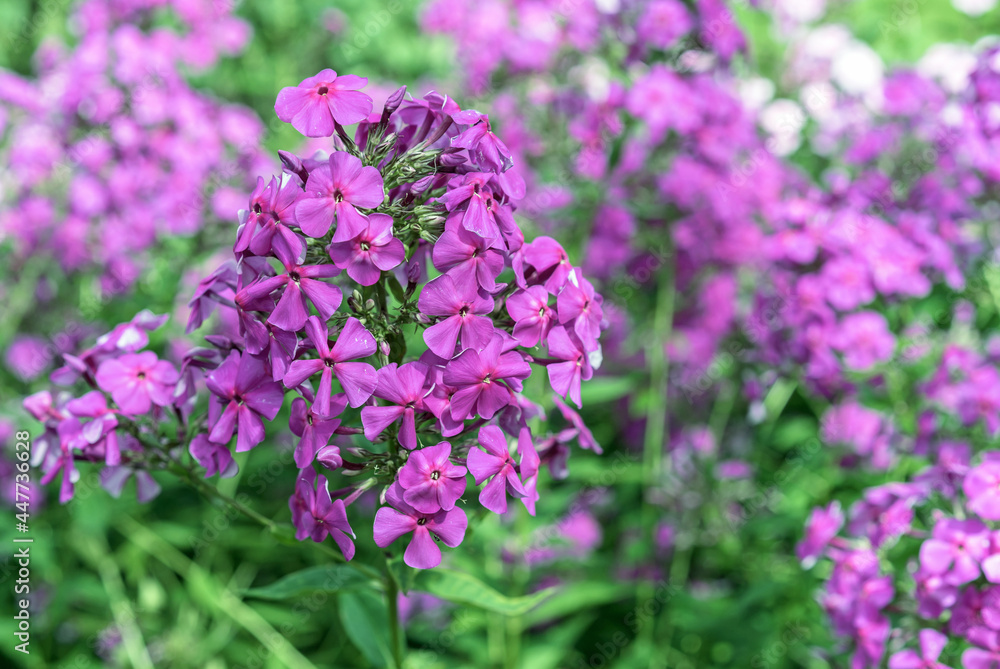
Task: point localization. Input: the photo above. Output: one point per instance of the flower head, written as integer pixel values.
(319, 102)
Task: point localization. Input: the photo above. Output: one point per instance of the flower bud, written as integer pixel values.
(329, 457)
(383, 346)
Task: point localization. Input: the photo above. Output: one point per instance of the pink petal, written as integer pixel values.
(423, 552)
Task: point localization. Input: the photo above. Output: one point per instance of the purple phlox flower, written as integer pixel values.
(467, 258)
(872, 632)
(865, 340)
(404, 386)
(662, 22)
(932, 643)
(132, 336)
(987, 656)
(486, 380)
(277, 344)
(495, 462)
(370, 252)
(934, 596)
(429, 480)
(463, 309)
(271, 210)
(61, 459)
(550, 262)
(580, 306)
(95, 405)
(218, 287)
(484, 215)
(333, 192)
(316, 516)
(299, 283)
(949, 469)
(956, 548)
(392, 522)
(528, 469)
(359, 379)
(582, 433)
(821, 528)
(533, 318)
(214, 457)
(572, 365)
(113, 480)
(488, 149)
(315, 430)
(137, 381)
(846, 283)
(242, 395)
(438, 401)
(316, 105)
(982, 487)
(885, 513)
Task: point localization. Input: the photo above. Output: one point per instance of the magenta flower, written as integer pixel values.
(429, 480)
(333, 191)
(932, 643)
(318, 103)
(865, 340)
(528, 471)
(242, 394)
(580, 310)
(982, 487)
(359, 379)
(583, 434)
(462, 306)
(467, 258)
(95, 405)
(137, 381)
(214, 457)
(483, 216)
(371, 252)
(495, 462)
(480, 377)
(988, 655)
(272, 208)
(300, 283)
(532, 315)
(404, 387)
(480, 141)
(822, 526)
(316, 515)
(314, 429)
(846, 282)
(565, 377)
(955, 550)
(392, 522)
(550, 261)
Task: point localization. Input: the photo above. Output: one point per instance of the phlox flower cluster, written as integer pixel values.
(401, 238)
(940, 528)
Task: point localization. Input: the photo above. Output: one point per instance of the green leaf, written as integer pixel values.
(585, 596)
(331, 578)
(607, 389)
(778, 396)
(366, 620)
(395, 288)
(461, 588)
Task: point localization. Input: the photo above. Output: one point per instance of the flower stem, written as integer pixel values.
(395, 630)
(657, 426)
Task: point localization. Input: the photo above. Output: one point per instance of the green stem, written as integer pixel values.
(395, 630)
(657, 426)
